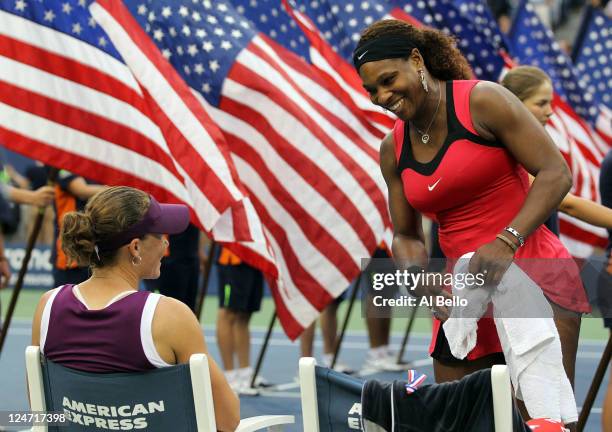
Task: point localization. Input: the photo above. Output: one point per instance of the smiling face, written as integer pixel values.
(539, 102)
(395, 85)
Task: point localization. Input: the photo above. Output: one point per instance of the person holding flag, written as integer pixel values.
(71, 194)
(456, 154)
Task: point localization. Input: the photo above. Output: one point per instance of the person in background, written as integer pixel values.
(16, 188)
(240, 294)
(104, 324)
(5, 269)
(35, 177)
(13, 191)
(328, 320)
(534, 88)
(71, 194)
(502, 11)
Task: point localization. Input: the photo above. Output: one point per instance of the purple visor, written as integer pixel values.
(159, 219)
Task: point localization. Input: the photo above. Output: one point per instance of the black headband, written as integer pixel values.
(385, 47)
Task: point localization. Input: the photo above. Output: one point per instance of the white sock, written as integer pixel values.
(231, 375)
(245, 373)
(377, 352)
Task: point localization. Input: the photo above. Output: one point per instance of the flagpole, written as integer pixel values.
(400, 354)
(24, 265)
(594, 389)
(264, 347)
(346, 320)
(205, 278)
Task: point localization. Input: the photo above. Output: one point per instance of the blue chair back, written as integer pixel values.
(156, 401)
(338, 400)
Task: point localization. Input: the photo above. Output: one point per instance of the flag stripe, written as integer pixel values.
(84, 121)
(572, 229)
(39, 81)
(50, 154)
(341, 75)
(298, 205)
(70, 70)
(290, 67)
(378, 123)
(66, 46)
(88, 146)
(296, 245)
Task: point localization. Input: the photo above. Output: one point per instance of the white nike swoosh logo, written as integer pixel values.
(433, 186)
(361, 56)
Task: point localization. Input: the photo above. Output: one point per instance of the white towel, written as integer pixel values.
(531, 345)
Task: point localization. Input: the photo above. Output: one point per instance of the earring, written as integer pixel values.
(136, 260)
(423, 81)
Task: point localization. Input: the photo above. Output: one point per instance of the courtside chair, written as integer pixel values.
(321, 387)
(331, 401)
(176, 398)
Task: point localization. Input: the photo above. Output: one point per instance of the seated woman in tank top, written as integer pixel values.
(105, 324)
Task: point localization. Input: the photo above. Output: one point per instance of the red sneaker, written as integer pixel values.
(546, 425)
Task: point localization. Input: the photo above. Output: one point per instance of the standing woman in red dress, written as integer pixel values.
(459, 153)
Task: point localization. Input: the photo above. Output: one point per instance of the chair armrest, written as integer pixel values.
(272, 422)
(502, 398)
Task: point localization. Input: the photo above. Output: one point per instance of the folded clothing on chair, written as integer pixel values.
(463, 406)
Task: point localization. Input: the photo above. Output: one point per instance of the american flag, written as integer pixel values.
(339, 23)
(480, 14)
(277, 20)
(583, 148)
(302, 155)
(533, 43)
(592, 54)
(68, 100)
(480, 45)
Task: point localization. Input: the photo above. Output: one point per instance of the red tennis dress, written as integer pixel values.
(474, 188)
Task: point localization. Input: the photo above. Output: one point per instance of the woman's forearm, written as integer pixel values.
(587, 211)
(409, 251)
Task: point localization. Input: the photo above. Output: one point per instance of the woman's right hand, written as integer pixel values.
(437, 300)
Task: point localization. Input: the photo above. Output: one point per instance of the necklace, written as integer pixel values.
(425, 135)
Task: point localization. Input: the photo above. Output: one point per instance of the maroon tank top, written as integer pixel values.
(104, 340)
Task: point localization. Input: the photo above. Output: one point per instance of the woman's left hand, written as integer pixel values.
(492, 260)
